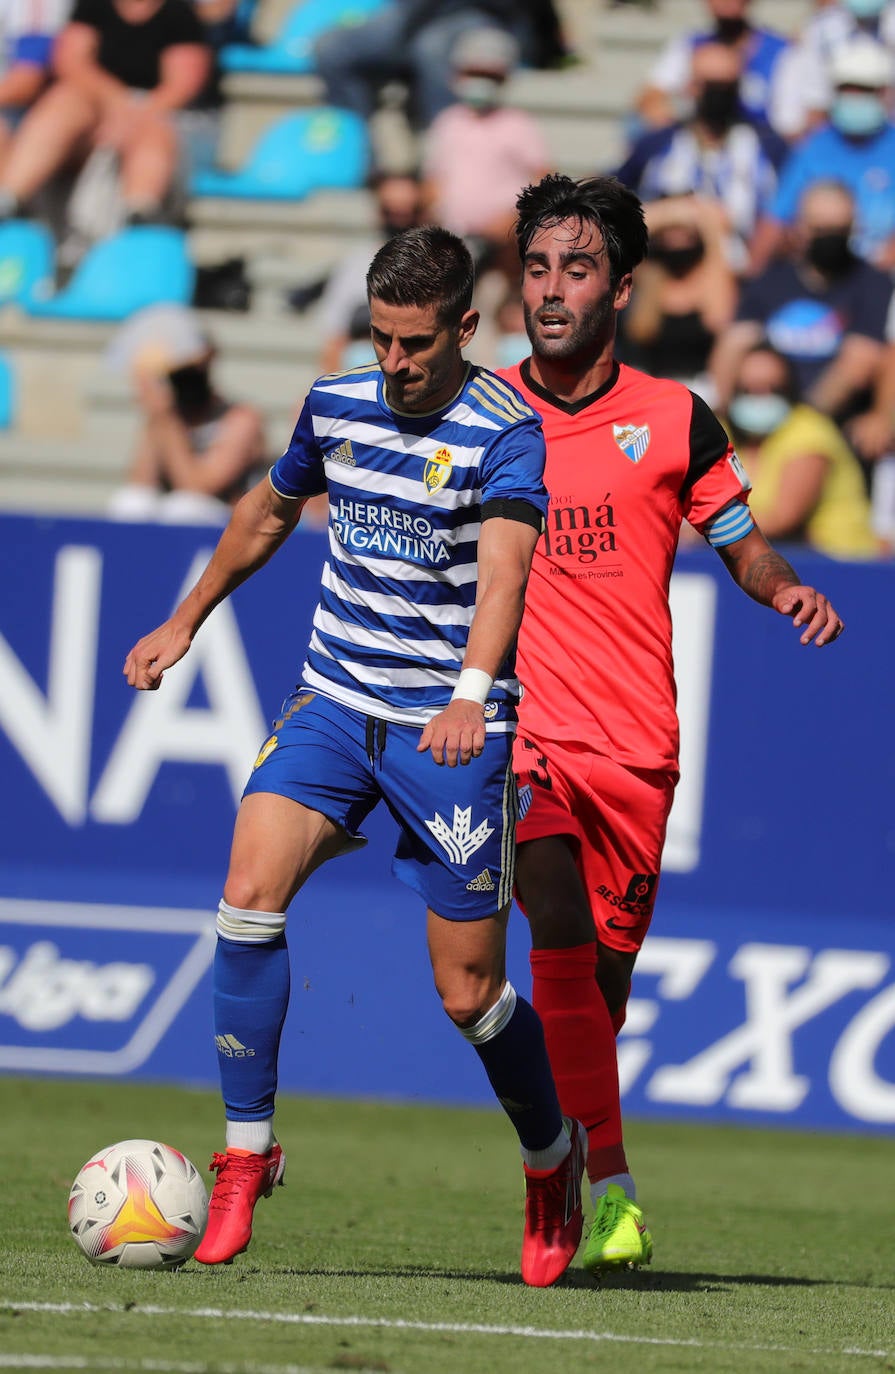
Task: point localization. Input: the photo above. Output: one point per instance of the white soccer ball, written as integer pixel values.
(138, 1204)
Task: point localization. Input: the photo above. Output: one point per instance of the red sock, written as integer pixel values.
(581, 1045)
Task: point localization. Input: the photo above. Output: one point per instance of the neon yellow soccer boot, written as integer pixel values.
(618, 1236)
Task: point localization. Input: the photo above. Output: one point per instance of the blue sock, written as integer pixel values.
(251, 995)
(509, 1040)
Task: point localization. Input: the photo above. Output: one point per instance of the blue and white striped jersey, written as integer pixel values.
(405, 501)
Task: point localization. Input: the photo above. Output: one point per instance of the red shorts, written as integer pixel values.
(616, 816)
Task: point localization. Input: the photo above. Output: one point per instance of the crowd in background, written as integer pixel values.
(766, 165)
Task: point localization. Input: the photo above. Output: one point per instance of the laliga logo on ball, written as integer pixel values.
(138, 1204)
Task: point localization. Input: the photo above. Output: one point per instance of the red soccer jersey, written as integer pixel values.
(624, 467)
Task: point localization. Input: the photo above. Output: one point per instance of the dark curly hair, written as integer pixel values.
(600, 201)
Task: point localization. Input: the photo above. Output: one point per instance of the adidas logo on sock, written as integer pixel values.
(232, 1048)
(483, 883)
(344, 454)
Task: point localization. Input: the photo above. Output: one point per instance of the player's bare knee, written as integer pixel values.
(490, 1021)
(467, 1000)
(249, 892)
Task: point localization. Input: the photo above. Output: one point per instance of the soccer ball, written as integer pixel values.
(138, 1204)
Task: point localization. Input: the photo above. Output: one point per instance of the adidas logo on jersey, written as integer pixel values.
(231, 1048)
(483, 883)
(344, 454)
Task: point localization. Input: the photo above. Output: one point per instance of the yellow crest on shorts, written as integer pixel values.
(438, 470)
(265, 751)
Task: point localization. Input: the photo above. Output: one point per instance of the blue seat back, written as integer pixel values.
(310, 150)
(292, 50)
(138, 266)
(7, 392)
(26, 261)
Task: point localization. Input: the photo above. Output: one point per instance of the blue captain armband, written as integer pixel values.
(730, 524)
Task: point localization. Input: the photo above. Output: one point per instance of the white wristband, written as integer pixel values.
(473, 685)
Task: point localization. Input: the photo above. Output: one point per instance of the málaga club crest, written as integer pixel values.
(633, 440)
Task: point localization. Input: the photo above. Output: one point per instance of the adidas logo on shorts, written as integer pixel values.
(483, 883)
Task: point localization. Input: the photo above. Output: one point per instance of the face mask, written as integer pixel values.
(730, 30)
(191, 386)
(479, 92)
(829, 253)
(679, 260)
(356, 353)
(511, 349)
(865, 9)
(857, 114)
(719, 104)
(758, 414)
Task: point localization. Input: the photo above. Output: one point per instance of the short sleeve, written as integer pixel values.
(512, 468)
(872, 307)
(299, 473)
(756, 302)
(89, 12)
(183, 25)
(794, 177)
(715, 475)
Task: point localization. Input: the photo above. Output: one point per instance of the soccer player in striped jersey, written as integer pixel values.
(628, 458)
(434, 475)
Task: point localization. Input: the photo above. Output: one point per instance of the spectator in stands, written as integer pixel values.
(511, 342)
(807, 485)
(410, 41)
(809, 60)
(197, 452)
(856, 146)
(28, 30)
(827, 310)
(343, 313)
(684, 294)
(226, 21)
(717, 152)
(763, 94)
(124, 67)
(479, 152)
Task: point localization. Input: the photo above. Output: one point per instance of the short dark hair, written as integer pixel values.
(601, 201)
(791, 389)
(425, 266)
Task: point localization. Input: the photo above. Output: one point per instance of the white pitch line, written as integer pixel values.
(433, 1328)
(148, 1366)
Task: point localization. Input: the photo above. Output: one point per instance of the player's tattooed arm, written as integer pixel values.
(763, 576)
(768, 578)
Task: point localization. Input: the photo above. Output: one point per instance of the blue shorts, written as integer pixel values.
(457, 826)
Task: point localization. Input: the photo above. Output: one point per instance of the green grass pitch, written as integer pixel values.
(395, 1246)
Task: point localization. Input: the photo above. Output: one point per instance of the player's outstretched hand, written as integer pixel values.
(811, 609)
(456, 734)
(145, 664)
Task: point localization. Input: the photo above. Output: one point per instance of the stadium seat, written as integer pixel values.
(138, 266)
(303, 152)
(26, 262)
(291, 52)
(7, 392)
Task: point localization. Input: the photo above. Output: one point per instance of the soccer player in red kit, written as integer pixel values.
(628, 458)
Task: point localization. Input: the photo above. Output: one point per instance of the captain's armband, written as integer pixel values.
(507, 508)
(730, 524)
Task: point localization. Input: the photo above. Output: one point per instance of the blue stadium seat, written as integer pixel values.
(138, 266)
(26, 262)
(310, 150)
(291, 52)
(7, 392)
